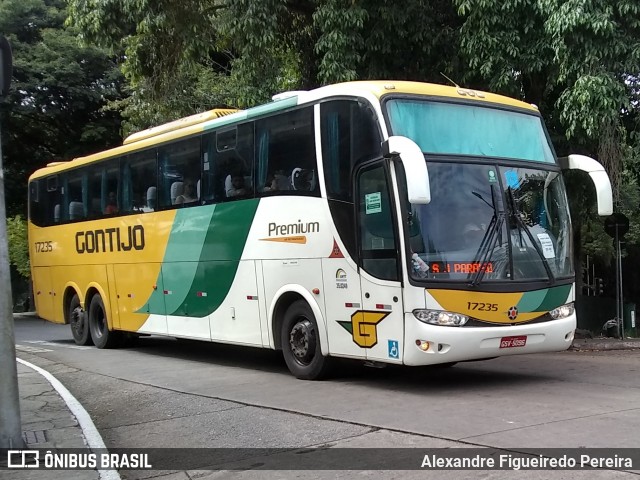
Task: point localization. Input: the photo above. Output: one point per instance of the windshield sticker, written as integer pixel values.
(547, 245)
(373, 203)
(492, 177)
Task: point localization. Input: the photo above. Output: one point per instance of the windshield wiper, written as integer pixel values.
(489, 240)
(515, 214)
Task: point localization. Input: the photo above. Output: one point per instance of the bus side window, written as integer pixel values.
(179, 173)
(95, 192)
(45, 202)
(110, 189)
(227, 160)
(350, 136)
(285, 154)
(37, 210)
(139, 178)
(54, 200)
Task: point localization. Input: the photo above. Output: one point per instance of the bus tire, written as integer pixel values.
(78, 322)
(301, 343)
(98, 326)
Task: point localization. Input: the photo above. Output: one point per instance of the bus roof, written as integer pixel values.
(200, 122)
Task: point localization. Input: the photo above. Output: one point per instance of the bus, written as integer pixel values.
(392, 222)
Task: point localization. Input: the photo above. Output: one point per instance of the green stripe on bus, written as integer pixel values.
(530, 301)
(220, 255)
(555, 297)
(272, 107)
(183, 254)
(201, 259)
(544, 300)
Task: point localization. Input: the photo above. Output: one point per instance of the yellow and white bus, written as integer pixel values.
(393, 222)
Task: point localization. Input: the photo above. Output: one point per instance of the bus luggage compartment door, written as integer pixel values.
(140, 292)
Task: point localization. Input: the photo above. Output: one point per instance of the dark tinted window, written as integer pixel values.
(180, 173)
(285, 154)
(350, 136)
(227, 157)
(378, 250)
(139, 192)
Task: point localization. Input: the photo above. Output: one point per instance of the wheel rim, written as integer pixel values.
(77, 323)
(302, 341)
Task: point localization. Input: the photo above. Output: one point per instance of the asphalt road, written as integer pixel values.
(164, 393)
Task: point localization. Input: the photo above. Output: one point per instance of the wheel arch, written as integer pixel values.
(95, 289)
(70, 290)
(281, 301)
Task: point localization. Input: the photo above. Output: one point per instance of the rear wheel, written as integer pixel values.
(78, 322)
(301, 343)
(100, 334)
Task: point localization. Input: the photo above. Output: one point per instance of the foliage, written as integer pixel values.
(18, 245)
(54, 110)
(253, 49)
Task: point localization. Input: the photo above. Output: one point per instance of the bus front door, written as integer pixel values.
(380, 324)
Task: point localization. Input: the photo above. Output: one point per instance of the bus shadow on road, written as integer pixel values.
(464, 375)
(221, 354)
(487, 374)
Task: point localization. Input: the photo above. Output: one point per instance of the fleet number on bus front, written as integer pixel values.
(44, 247)
(484, 307)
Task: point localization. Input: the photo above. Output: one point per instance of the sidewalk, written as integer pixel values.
(604, 343)
(47, 423)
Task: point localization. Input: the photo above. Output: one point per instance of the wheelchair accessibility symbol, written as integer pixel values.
(394, 351)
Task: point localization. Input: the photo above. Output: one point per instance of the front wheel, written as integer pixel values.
(301, 343)
(78, 322)
(100, 334)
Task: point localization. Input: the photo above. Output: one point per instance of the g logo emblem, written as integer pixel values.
(512, 313)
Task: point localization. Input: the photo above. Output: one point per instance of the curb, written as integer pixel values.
(605, 345)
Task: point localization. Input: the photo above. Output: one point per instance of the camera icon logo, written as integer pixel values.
(23, 459)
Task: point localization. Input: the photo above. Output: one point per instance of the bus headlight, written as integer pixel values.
(562, 312)
(439, 317)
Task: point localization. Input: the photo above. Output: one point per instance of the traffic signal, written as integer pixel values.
(598, 286)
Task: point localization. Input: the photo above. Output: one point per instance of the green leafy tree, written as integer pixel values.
(248, 50)
(18, 245)
(55, 108)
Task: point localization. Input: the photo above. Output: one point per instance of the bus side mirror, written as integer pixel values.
(415, 167)
(598, 176)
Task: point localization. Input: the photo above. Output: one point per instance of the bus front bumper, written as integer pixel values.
(427, 344)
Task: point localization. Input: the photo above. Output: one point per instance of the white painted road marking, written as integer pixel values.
(89, 430)
(28, 349)
(59, 345)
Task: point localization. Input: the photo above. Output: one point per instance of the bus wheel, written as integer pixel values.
(100, 334)
(78, 322)
(301, 343)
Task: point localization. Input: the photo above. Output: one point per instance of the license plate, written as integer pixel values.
(510, 342)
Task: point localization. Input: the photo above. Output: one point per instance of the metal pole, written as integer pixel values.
(10, 423)
(589, 280)
(621, 300)
(617, 283)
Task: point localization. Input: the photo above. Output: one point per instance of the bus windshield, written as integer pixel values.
(470, 130)
(491, 223)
